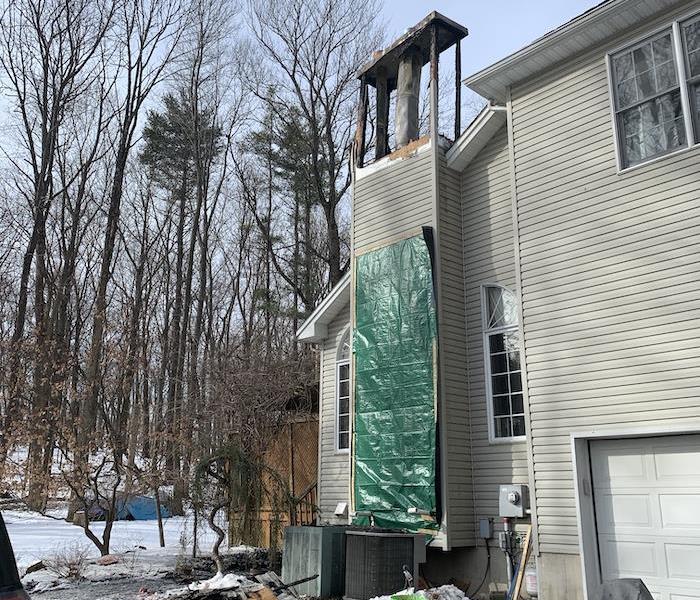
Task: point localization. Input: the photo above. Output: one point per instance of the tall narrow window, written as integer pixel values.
(647, 97)
(342, 407)
(502, 353)
(691, 42)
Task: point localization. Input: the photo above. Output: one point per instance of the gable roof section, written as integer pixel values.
(475, 137)
(598, 24)
(315, 328)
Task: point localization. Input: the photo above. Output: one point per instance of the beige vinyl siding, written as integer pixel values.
(610, 268)
(489, 257)
(460, 505)
(334, 467)
(395, 200)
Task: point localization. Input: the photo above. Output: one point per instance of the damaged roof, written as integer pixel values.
(448, 33)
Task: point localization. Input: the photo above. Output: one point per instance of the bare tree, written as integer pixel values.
(149, 32)
(313, 50)
(51, 55)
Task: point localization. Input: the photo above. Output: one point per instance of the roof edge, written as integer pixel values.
(594, 14)
(475, 136)
(314, 328)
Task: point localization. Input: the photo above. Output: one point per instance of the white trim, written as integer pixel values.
(683, 75)
(315, 328)
(485, 334)
(475, 137)
(336, 400)
(613, 113)
(336, 403)
(651, 161)
(583, 487)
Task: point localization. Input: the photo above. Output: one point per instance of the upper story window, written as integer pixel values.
(502, 353)
(342, 395)
(691, 44)
(655, 93)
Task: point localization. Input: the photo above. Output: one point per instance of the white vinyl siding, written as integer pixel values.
(609, 265)
(394, 201)
(489, 257)
(334, 466)
(453, 348)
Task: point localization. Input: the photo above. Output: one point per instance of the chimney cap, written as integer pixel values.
(418, 36)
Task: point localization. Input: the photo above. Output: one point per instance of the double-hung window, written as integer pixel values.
(656, 93)
(691, 45)
(502, 353)
(342, 395)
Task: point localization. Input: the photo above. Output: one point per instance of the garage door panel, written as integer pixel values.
(647, 506)
(683, 561)
(623, 510)
(624, 466)
(671, 463)
(680, 511)
(622, 558)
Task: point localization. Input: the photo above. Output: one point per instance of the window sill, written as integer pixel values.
(346, 451)
(652, 161)
(508, 440)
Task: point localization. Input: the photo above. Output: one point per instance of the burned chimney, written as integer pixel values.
(398, 68)
(408, 96)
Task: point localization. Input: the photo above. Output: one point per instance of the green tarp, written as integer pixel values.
(395, 386)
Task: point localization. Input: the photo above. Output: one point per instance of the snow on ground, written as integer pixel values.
(139, 561)
(444, 592)
(35, 537)
(224, 582)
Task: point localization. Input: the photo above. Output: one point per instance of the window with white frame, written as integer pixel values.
(656, 93)
(342, 394)
(691, 48)
(502, 354)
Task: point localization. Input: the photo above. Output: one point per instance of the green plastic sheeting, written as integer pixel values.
(395, 386)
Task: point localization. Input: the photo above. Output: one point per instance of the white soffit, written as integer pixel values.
(315, 328)
(475, 137)
(597, 25)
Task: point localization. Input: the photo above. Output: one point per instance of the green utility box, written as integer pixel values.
(312, 550)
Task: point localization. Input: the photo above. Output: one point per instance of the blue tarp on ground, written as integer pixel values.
(136, 508)
(141, 508)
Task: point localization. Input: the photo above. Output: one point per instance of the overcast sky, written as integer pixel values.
(496, 27)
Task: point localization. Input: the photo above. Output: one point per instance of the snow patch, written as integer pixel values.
(444, 592)
(218, 582)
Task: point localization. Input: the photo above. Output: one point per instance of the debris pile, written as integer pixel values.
(267, 586)
(444, 592)
(243, 560)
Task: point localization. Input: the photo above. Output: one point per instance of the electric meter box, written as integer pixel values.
(513, 500)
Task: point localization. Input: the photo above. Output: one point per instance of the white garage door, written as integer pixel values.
(647, 503)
